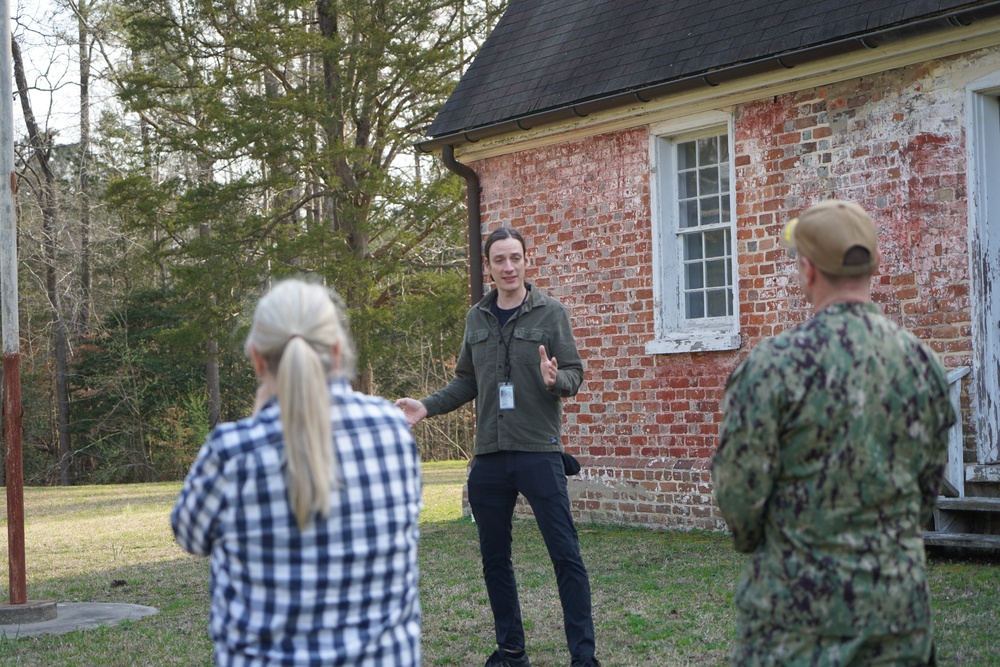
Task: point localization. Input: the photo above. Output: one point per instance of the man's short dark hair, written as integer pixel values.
(499, 234)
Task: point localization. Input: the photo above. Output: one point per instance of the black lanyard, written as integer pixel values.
(510, 338)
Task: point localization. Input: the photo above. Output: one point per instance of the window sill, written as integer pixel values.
(694, 341)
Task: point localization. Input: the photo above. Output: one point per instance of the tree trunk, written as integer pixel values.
(212, 378)
(61, 351)
(348, 204)
(212, 366)
(86, 299)
(50, 216)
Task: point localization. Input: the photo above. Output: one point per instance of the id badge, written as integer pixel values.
(506, 393)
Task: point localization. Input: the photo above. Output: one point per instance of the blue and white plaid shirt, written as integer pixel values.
(341, 592)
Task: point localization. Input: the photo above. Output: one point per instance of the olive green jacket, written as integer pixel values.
(535, 423)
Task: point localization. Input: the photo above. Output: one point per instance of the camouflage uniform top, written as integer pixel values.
(833, 445)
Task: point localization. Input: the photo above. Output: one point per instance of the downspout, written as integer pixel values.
(473, 191)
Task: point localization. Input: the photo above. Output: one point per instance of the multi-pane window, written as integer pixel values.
(694, 227)
(704, 226)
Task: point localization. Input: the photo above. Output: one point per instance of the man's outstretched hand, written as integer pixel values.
(413, 410)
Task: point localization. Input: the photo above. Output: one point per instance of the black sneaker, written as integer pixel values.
(585, 662)
(504, 659)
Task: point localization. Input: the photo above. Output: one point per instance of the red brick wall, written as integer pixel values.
(645, 426)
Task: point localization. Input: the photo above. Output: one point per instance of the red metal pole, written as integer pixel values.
(15, 476)
(8, 316)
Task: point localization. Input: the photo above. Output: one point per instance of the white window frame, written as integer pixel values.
(982, 133)
(674, 333)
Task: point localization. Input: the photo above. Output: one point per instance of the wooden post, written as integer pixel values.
(11, 327)
(15, 478)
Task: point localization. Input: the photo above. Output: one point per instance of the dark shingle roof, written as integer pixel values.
(549, 54)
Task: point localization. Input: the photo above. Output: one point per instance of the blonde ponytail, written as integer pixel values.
(305, 419)
(296, 330)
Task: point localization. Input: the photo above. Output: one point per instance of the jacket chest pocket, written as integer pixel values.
(524, 346)
(477, 343)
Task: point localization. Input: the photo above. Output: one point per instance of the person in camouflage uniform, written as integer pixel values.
(832, 448)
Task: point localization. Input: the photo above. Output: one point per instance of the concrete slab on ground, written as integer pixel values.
(71, 616)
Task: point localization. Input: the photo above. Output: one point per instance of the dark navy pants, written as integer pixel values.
(494, 482)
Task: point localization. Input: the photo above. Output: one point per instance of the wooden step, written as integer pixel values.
(969, 504)
(965, 540)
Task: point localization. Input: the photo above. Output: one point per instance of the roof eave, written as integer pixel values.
(649, 93)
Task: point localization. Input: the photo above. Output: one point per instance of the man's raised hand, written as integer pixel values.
(549, 367)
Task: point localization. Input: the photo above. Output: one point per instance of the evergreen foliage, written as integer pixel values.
(251, 141)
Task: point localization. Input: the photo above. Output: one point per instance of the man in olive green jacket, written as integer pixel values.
(518, 361)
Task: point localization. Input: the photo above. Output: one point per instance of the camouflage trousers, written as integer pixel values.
(763, 645)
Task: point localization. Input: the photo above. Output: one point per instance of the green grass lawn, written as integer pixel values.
(660, 598)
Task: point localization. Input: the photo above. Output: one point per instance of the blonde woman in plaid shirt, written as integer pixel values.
(308, 508)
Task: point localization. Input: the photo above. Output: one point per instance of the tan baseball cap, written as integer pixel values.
(837, 236)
